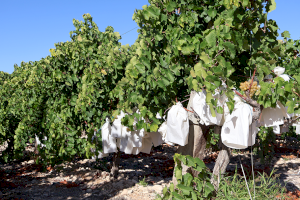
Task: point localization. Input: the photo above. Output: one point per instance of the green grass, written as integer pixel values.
(143, 182)
(234, 187)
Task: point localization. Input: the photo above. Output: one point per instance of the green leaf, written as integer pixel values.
(172, 187)
(288, 87)
(146, 14)
(146, 62)
(229, 69)
(154, 12)
(199, 165)
(140, 68)
(187, 179)
(219, 110)
(271, 5)
(171, 6)
(200, 71)
(176, 196)
(165, 190)
(211, 38)
(204, 57)
(170, 76)
(245, 3)
(190, 161)
(291, 106)
(212, 110)
(285, 34)
(212, 12)
(230, 106)
(208, 189)
(178, 174)
(231, 48)
(195, 85)
(297, 77)
(186, 50)
(158, 37)
(153, 127)
(185, 189)
(165, 81)
(73, 100)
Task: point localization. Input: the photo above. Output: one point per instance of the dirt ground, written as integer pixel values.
(90, 179)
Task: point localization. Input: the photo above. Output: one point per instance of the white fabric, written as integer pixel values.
(178, 125)
(237, 132)
(273, 116)
(116, 128)
(109, 143)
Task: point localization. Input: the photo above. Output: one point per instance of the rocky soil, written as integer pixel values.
(90, 179)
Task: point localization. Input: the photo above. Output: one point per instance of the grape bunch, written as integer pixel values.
(255, 89)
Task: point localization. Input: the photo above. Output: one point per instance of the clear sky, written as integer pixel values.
(30, 28)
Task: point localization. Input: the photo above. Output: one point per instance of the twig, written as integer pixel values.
(180, 102)
(188, 110)
(184, 100)
(219, 53)
(296, 93)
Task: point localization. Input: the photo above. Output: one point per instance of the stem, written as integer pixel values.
(188, 110)
(296, 93)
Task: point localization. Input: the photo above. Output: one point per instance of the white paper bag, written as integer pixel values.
(178, 125)
(235, 131)
(147, 145)
(116, 128)
(156, 138)
(163, 131)
(109, 143)
(279, 70)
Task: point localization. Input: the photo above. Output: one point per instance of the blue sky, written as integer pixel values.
(30, 28)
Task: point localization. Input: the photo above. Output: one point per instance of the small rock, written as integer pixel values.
(88, 178)
(130, 191)
(155, 188)
(46, 194)
(134, 181)
(89, 190)
(135, 178)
